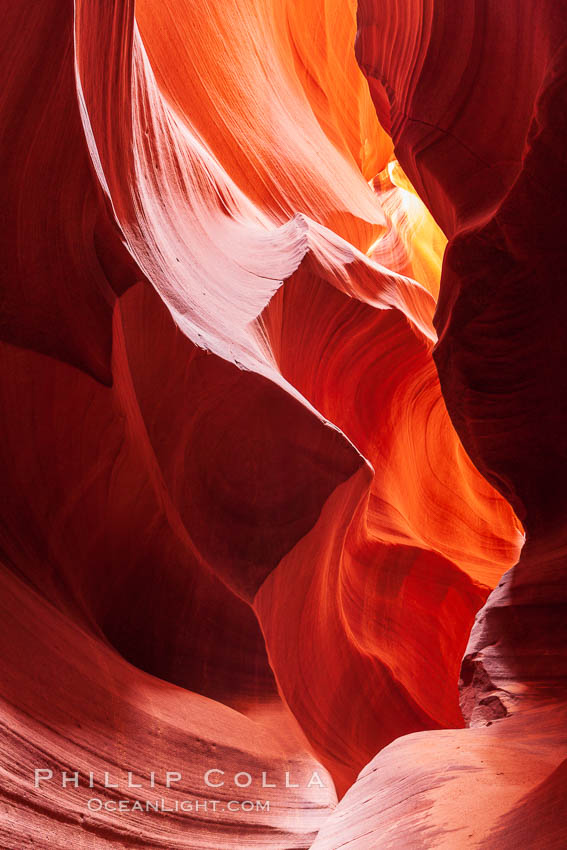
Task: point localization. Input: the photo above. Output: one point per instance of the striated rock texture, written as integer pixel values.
(494, 179)
(254, 492)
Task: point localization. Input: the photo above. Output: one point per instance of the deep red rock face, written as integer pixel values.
(477, 120)
(263, 462)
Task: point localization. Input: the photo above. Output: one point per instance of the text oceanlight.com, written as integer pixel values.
(132, 784)
(95, 804)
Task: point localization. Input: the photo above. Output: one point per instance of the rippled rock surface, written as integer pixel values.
(268, 440)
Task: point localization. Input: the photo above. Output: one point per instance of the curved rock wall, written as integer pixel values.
(263, 460)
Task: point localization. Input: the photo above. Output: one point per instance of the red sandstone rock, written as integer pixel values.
(492, 177)
(242, 527)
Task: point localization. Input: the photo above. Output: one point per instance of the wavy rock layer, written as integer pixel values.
(242, 529)
(501, 357)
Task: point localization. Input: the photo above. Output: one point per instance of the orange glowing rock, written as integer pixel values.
(243, 532)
